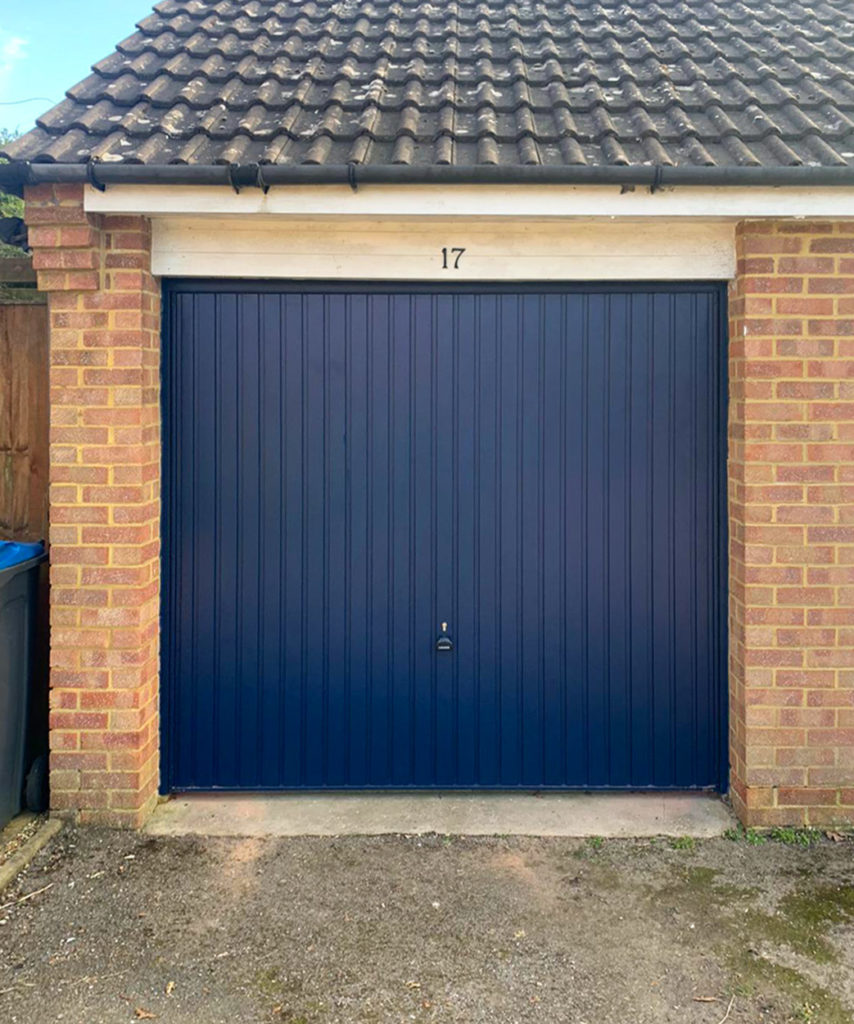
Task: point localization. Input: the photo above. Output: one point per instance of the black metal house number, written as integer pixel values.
(451, 258)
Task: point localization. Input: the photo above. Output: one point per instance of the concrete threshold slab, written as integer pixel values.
(611, 815)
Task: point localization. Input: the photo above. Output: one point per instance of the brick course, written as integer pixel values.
(104, 505)
(791, 497)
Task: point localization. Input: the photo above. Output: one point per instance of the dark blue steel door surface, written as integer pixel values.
(348, 468)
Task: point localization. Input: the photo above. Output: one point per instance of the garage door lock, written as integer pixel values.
(444, 642)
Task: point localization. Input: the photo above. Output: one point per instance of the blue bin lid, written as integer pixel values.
(12, 553)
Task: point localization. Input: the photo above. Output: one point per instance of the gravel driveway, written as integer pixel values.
(306, 931)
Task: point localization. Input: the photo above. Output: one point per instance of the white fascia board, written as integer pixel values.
(488, 201)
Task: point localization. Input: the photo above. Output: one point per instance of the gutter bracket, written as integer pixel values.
(351, 177)
(656, 179)
(93, 180)
(232, 175)
(262, 182)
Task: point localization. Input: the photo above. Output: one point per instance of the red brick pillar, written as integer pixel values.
(104, 505)
(791, 494)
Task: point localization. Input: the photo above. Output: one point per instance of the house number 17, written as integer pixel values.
(451, 258)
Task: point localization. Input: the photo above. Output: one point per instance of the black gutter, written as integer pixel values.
(14, 176)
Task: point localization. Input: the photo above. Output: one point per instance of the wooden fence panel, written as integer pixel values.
(24, 421)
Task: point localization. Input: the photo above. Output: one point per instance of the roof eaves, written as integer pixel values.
(15, 175)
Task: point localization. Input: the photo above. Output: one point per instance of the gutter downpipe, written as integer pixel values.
(14, 176)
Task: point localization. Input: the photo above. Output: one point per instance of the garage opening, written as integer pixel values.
(436, 537)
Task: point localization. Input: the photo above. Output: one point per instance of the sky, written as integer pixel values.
(46, 46)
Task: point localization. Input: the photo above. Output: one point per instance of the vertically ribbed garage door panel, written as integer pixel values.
(347, 469)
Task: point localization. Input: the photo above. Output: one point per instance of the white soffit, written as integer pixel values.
(448, 250)
(524, 202)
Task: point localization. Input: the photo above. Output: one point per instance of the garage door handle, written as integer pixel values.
(444, 642)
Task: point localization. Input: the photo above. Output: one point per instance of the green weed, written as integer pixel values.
(683, 843)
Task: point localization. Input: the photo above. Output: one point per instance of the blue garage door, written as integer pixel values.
(348, 468)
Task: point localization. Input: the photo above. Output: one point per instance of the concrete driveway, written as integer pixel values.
(127, 927)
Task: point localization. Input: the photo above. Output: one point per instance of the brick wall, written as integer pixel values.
(104, 505)
(792, 523)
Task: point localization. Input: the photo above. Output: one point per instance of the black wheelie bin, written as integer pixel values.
(19, 575)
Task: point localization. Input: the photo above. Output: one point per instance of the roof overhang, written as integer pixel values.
(451, 191)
